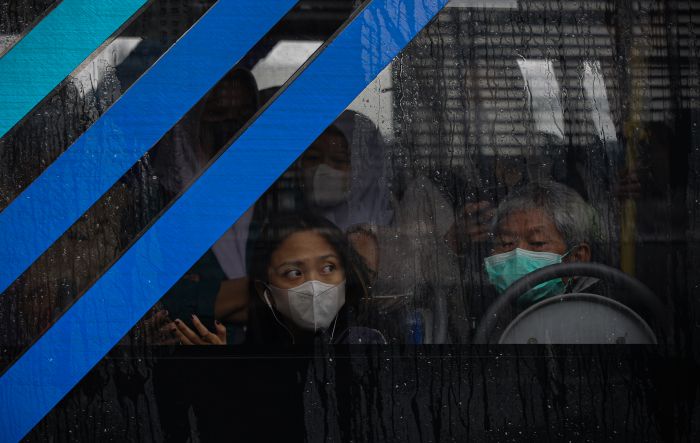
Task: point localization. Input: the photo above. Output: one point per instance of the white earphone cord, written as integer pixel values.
(269, 305)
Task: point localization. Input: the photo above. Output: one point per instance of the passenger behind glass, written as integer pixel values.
(472, 225)
(340, 176)
(308, 284)
(228, 108)
(342, 173)
(538, 225)
(416, 290)
(184, 151)
(180, 156)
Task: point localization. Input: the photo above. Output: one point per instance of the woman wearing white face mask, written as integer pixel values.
(309, 284)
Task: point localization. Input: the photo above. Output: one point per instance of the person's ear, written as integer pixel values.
(581, 253)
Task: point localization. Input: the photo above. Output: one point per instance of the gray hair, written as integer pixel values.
(575, 219)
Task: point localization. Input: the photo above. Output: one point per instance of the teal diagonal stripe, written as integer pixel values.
(53, 49)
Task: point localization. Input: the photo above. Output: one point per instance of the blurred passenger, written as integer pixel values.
(472, 223)
(308, 283)
(364, 240)
(184, 151)
(539, 225)
(180, 156)
(417, 292)
(228, 107)
(342, 173)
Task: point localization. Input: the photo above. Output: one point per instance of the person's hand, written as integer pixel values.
(203, 336)
(156, 329)
(629, 186)
(472, 224)
(477, 220)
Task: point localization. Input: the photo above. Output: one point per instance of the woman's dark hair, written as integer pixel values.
(261, 324)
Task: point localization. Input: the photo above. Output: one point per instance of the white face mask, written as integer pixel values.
(328, 187)
(312, 305)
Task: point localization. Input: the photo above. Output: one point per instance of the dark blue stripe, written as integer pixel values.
(48, 370)
(69, 186)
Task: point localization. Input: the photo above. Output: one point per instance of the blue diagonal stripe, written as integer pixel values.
(72, 183)
(53, 49)
(60, 358)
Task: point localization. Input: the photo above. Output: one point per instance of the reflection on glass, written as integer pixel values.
(282, 61)
(597, 95)
(90, 77)
(543, 96)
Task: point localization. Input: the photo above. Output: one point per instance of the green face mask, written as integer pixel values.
(508, 267)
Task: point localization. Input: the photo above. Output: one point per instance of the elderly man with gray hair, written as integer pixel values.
(541, 224)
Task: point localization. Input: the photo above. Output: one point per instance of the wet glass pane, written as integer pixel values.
(18, 18)
(502, 140)
(497, 239)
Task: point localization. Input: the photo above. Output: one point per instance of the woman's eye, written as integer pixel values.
(327, 269)
(537, 244)
(292, 273)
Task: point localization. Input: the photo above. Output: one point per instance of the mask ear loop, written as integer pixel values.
(269, 305)
(572, 249)
(570, 283)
